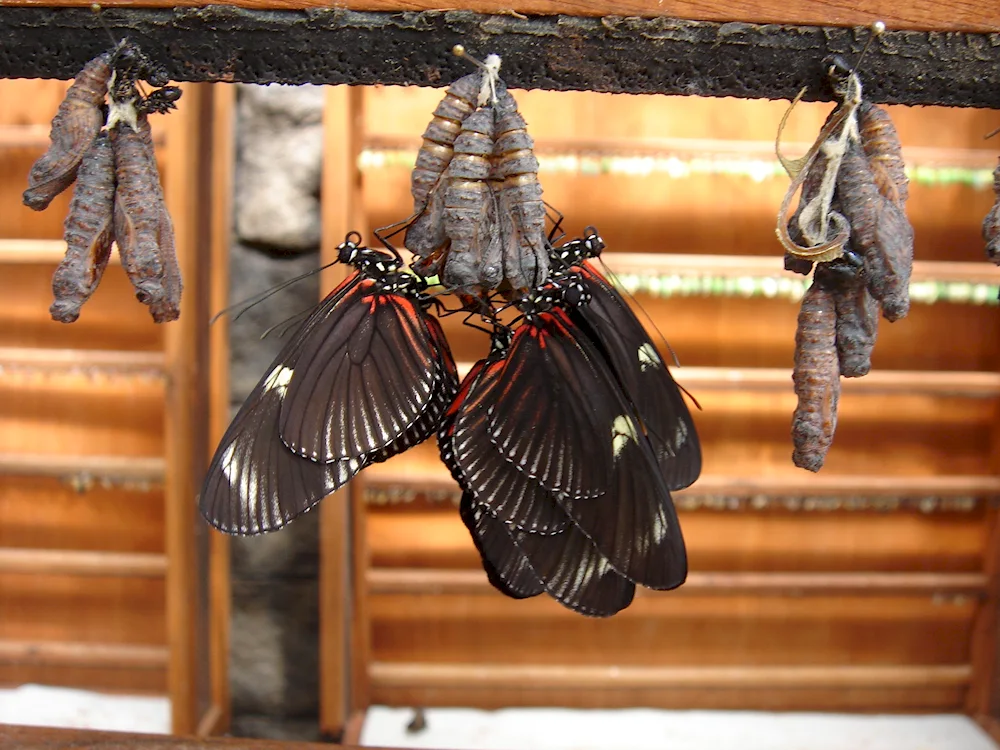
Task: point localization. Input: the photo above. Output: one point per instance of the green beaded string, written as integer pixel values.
(757, 170)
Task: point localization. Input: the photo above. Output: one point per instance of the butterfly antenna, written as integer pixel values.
(991, 134)
(245, 305)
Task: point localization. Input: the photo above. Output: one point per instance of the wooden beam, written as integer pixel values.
(384, 581)
(82, 563)
(82, 654)
(950, 16)
(117, 469)
(619, 52)
(485, 676)
(49, 738)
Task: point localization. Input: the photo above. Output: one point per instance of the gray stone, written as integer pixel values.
(292, 553)
(252, 272)
(274, 668)
(279, 166)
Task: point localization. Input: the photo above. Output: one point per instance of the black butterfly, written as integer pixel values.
(562, 489)
(366, 376)
(610, 323)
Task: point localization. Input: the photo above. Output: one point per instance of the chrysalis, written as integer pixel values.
(473, 258)
(88, 232)
(526, 258)
(74, 128)
(857, 317)
(817, 379)
(140, 229)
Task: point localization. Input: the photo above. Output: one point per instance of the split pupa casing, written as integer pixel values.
(526, 258)
(470, 221)
(143, 230)
(74, 128)
(884, 151)
(88, 232)
(880, 231)
(857, 317)
(816, 377)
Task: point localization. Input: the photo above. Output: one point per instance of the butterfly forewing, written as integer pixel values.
(644, 378)
(547, 413)
(369, 377)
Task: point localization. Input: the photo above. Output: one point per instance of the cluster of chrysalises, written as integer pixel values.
(851, 224)
(567, 441)
(478, 218)
(100, 138)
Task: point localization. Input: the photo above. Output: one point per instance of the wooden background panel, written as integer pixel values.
(67, 608)
(111, 319)
(664, 629)
(918, 700)
(91, 417)
(49, 514)
(772, 541)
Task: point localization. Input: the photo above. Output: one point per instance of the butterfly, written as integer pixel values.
(367, 375)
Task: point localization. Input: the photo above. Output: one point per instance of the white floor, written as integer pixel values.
(40, 706)
(642, 729)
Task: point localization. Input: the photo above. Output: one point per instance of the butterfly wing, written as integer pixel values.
(369, 374)
(254, 483)
(546, 414)
(643, 376)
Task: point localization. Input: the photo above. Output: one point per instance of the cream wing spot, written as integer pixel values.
(279, 377)
(648, 357)
(623, 429)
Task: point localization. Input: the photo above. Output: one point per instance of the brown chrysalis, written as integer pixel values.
(991, 224)
(816, 376)
(76, 124)
(87, 230)
(857, 315)
(884, 151)
(142, 227)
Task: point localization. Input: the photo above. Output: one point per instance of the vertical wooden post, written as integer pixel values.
(216, 719)
(186, 356)
(342, 211)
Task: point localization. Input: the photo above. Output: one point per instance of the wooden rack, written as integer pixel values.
(154, 637)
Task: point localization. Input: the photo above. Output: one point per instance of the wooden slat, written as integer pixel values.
(343, 210)
(124, 362)
(436, 478)
(48, 738)
(36, 136)
(568, 677)
(711, 148)
(771, 266)
(446, 581)
(119, 468)
(82, 562)
(37, 252)
(951, 16)
(933, 383)
(80, 654)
